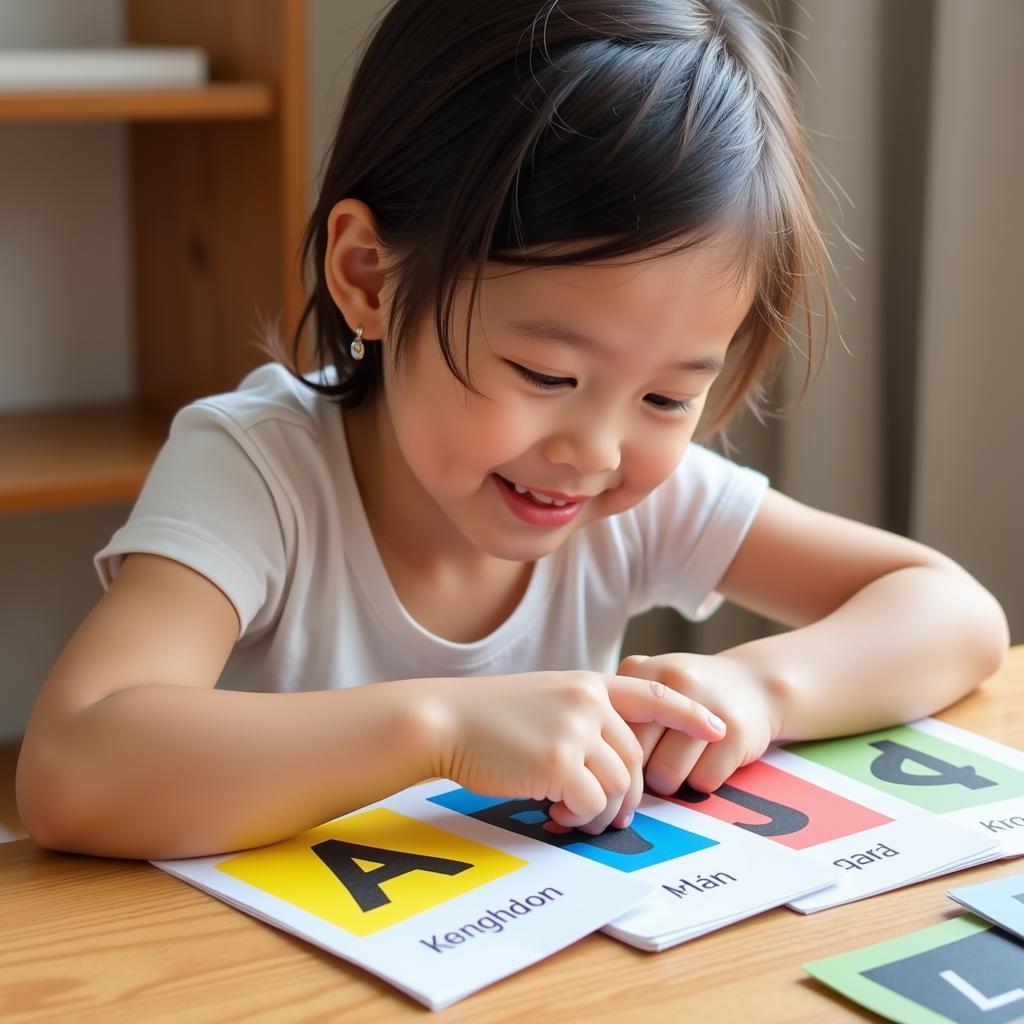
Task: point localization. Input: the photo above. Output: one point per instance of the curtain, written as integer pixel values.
(913, 422)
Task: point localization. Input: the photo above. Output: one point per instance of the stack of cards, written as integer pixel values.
(441, 891)
(736, 875)
(703, 874)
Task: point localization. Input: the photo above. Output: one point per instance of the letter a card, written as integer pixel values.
(961, 971)
(704, 874)
(958, 774)
(873, 841)
(433, 902)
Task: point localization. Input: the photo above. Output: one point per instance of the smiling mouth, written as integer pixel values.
(542, 497)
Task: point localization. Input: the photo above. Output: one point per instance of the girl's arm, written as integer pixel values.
(131, 752)
(885, 630)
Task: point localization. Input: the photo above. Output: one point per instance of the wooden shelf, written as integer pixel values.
(9, 821)
(218, 193)
(218, 101)
(73, 457)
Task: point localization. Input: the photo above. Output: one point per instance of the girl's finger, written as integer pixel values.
(717, 764)
(645, 700)
(629, 663)
(605, 765)
(648, 734)
(672, 761)
(621, 739)
(583, 798)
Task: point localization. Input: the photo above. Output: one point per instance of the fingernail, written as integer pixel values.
(716, 723)
(628, 821)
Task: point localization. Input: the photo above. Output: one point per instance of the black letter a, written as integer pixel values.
(364, 886)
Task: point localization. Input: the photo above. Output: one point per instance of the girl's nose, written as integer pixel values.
(594, 447)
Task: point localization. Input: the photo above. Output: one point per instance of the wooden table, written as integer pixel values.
(89, 939)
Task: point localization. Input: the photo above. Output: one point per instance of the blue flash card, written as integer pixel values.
(647, 841)
(1000, 901)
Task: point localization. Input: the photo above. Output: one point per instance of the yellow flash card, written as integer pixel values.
(372, 870)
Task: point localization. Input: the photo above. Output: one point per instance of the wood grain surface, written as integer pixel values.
(87, 939)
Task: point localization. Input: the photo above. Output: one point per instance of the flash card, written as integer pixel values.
(961, 971)
(873, 841)
(703, 874)
(1000, 901)
(960, 775)
(432, 901)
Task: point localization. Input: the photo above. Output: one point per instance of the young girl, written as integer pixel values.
(553, 237)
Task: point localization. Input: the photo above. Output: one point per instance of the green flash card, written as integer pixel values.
(915, 765)
(962, 971)
(964, 777)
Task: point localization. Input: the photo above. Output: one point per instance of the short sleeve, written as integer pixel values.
(691, 528)
(206, 504)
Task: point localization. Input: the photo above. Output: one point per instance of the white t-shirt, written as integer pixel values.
(254, 490)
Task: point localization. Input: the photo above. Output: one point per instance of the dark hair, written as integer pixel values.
(475, 131)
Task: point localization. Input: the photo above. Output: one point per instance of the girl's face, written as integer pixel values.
(591, 380)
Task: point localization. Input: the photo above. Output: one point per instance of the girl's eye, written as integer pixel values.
(542, 380)
(671, 404)
(545, 380)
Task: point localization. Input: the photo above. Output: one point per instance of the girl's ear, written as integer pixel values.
(355, 267)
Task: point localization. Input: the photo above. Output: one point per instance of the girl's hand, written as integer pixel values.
(559, 736)
(730, 689)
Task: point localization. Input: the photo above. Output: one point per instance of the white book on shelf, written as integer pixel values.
(119, 67)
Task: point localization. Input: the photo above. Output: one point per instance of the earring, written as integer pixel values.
(357, 349)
